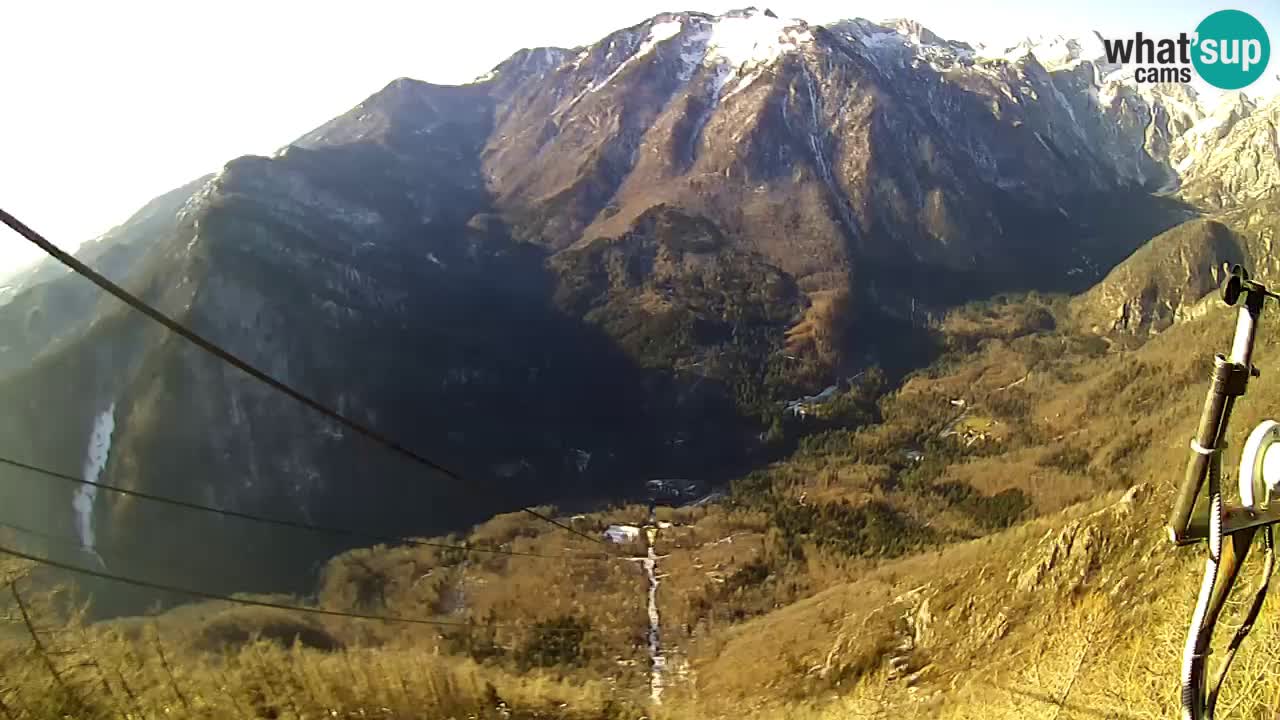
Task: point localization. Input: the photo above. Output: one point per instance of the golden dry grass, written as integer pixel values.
(165, 667)
(1077, 611)
(1017, 631)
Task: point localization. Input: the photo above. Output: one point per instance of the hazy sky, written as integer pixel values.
(108, 104)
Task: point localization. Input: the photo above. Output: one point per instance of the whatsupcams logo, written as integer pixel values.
(1229, 49)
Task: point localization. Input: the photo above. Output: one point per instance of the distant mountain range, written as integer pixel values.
(598, 265)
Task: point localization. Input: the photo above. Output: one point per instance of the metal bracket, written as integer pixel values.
(1231, 378)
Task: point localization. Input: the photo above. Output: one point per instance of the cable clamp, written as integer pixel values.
(1202, 450)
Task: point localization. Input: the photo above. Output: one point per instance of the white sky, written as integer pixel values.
(107, 104)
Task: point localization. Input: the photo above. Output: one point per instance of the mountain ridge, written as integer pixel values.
(698, 217)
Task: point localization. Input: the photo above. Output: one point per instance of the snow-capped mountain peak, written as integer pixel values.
(754, 37)
(736, 41)
(1056, 52)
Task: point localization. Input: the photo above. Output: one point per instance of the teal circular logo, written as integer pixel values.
(1232, 49)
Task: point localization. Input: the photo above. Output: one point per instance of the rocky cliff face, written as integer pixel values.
(1229, 170)
(590, 267)
(1234, 158)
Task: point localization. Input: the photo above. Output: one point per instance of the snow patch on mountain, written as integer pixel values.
(755, 38)
(742, 83)
(1210, 129)
(734, 48)
(1236, 153)
(1183, 106)
(659, 32)
(1057, 52)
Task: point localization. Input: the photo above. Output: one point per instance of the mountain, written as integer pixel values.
(401, 310)
(48, 303)
(588, 268)
(1163, 281)
(1239, 157)
(884, 147)
(1230, 171)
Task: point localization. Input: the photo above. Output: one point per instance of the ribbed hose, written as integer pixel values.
(1195, 654)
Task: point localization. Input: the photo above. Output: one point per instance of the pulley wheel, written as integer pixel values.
(1260, 466)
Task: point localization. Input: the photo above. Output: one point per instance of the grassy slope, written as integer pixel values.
(1090, 598)
(791, 619)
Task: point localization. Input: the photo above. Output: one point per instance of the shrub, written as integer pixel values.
(478, 640)
(920, 476)
(1067, 458)
(750, 575)
(558, 641)
(753, 491)
(1010, 404)
(954, 493)
(1126, 448)
(240, 626)
(998, 511)
(872, 528)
